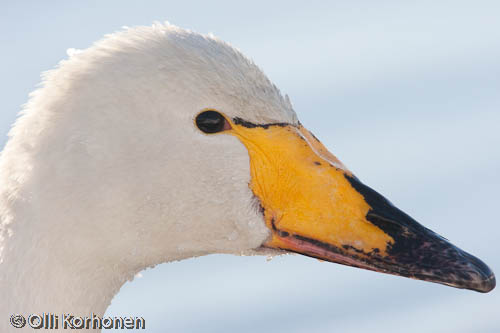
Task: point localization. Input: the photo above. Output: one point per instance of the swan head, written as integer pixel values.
(158, 144)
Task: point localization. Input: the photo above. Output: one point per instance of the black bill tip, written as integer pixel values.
(449, 265)
(481, 278)
(418, 252)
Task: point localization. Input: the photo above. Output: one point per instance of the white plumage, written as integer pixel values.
(105, 173)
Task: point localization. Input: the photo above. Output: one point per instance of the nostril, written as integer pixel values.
(383, 222)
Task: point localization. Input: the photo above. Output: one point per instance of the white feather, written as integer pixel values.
(105, 173)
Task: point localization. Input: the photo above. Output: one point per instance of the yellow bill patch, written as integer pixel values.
(304, 192)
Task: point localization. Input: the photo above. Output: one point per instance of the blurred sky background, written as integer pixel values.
(406, 93)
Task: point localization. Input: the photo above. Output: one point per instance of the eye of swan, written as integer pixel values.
(211, 122)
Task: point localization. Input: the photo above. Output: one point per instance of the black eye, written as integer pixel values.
(211, 122)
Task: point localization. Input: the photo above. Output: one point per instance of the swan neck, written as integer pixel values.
(42, 275)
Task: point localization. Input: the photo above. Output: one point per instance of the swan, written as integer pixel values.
(159, 144)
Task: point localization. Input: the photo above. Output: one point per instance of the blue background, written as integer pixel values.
(405, 93)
